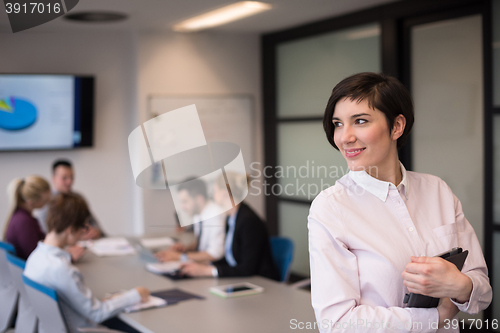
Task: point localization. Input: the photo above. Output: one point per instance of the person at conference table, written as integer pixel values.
(247, 250)
(21, 228)
(374, 235)
(209, 226)
(63, 177)
(50, 265)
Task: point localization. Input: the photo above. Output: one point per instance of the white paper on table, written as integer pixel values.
(111, 246)
(164, 267)
(152, 302)
(152, 243)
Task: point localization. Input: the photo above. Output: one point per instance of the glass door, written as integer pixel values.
(307, 71)
(446, 82)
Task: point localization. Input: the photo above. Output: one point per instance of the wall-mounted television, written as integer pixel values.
(46, 112)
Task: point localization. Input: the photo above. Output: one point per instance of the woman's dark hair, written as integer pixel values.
(67, 210)
(382, 92)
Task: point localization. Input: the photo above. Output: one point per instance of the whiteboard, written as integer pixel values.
(227, 118)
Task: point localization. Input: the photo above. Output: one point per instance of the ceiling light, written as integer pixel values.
(222, 16)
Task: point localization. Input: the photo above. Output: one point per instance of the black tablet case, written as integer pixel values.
(421, 301)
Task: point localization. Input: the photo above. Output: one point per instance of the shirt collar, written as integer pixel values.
(379, 188)
(404, 185)
(231, 220)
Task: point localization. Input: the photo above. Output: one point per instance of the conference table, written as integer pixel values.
(279, 308)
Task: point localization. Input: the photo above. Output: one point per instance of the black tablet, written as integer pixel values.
(456, 256)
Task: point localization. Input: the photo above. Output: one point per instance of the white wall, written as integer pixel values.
(128, 68)
(196, 64)
(103, 173)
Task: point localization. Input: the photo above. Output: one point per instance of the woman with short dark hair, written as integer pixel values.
(374, 235)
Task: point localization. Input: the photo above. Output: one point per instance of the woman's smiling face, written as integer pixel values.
(363, 137)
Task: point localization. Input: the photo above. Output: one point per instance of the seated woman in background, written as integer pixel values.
(21, 228)
(247, 248)
(50, 265)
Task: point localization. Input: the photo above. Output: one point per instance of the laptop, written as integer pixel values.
(145, 254)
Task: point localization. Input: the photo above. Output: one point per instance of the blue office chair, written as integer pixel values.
(50, 317)
(26, 321)
(8, 291)
(282, 251)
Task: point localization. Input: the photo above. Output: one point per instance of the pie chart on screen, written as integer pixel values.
(16, 113)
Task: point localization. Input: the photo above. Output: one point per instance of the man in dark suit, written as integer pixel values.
(247, 249)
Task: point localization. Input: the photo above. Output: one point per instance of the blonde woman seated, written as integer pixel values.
(247, 250)
(22, 229)
(50, 265)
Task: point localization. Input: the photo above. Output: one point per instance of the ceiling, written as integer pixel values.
(160, 15)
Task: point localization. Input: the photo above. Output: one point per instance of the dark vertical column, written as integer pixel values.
(270, 141)
(488, 143)
(392, 64)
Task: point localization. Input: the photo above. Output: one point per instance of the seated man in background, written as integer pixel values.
(209, 226)
(50, 265)
(62, 181)
(247, 248)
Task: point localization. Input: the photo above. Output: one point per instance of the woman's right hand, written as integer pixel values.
(144, 292)
(446, 310)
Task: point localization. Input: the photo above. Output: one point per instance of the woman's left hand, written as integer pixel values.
(436, 277)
